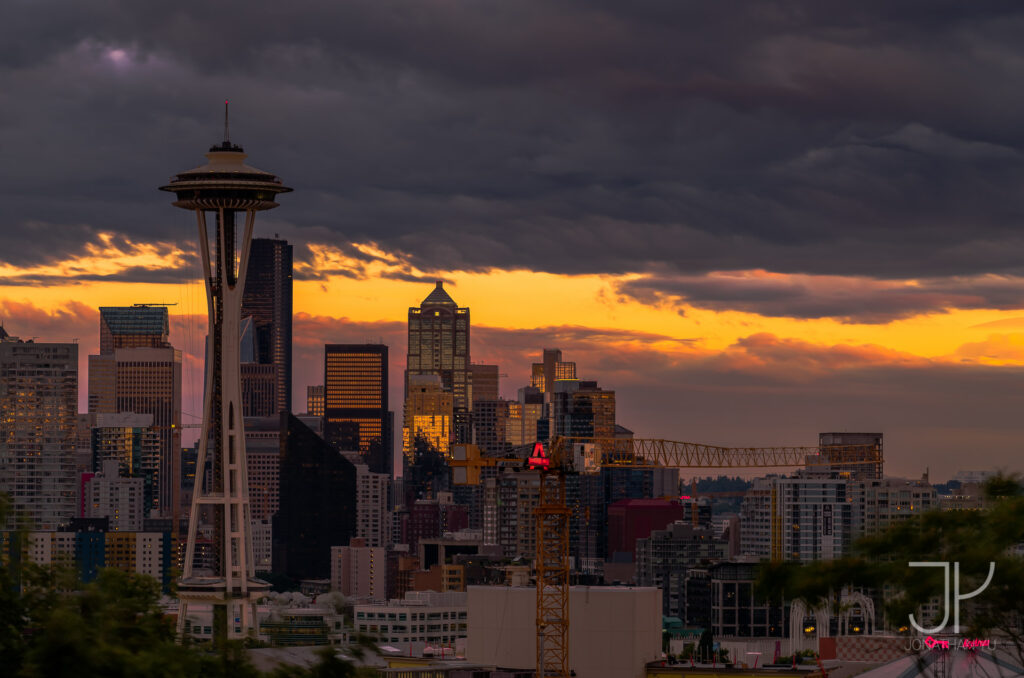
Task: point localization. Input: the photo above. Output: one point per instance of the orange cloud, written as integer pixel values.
(108, 256)
(796, 360)
(996, 349)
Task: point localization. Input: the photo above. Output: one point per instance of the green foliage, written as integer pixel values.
(51, 626)
(1000, 486)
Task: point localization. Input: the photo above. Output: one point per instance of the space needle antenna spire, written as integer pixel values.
(227, 136)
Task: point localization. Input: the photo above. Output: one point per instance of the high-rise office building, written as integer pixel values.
(317, 503)
(665, 556)
(544, 374)
(878, 503)
(581, 409)
(119, 499)
(38, 408)
(137, 370)
(356, 402)
(490, 426)
(268, 299)
(373, 519)
(864, 466)
(258, 380)
(490, 413)
(809, 516)
(428, 415)
(263, 465)
(439, 344)
(315, 400)
(523, 415)
(259, 389)
(359, 570)
(132, 442)
(263, 469)
(486, 382)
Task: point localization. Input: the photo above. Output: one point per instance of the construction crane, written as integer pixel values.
(566, 456)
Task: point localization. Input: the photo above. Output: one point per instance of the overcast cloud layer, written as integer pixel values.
(874, 138)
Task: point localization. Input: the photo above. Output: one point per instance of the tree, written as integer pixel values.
(52, 626)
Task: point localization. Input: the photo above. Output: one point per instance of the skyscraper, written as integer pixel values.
(485, 380)
(809, 516)
(582, 409)
(523, 415)
(120, 500)
(490, 426)
(544, 374)
(863, 469)
(268, 299)
(38, 408)
(315, 400)
(137, 370)
(317, 503)
(259, 380)
(427, 416)
(439, 344)
(134, 443)
(356, 402)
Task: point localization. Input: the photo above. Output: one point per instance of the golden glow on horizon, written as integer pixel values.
(517, 299)
(106, 257)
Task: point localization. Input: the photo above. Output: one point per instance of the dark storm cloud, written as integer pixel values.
(851, 299)
(823, 137)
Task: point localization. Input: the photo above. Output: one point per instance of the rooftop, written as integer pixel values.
(127, 320)
(439, 296)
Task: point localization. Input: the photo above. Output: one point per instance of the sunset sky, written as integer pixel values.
(754, 220)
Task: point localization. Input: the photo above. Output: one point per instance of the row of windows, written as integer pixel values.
(415, 616)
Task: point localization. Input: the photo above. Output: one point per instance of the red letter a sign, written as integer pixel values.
(538, 460)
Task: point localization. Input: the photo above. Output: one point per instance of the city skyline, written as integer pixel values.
(525, 349)
(749, 245)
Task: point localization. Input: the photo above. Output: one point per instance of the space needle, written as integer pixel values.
(225, 195)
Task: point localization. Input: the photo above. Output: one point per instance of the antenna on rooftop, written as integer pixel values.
(227, 136)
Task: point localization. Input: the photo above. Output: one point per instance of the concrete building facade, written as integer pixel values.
(806, 517)
(38, 419)
(120, 500)
(421, 616)
(359, 570)
(664, 558)
(613, 631)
